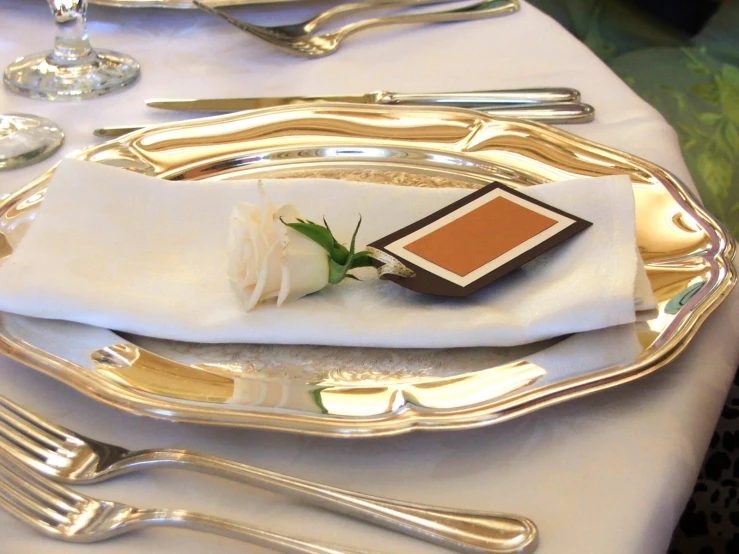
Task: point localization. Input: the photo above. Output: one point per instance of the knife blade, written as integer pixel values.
(560, 113)
(473, 99)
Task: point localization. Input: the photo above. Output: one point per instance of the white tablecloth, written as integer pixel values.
(606, 474)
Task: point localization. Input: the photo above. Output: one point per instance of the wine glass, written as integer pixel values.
(27, 139)
(73, 70)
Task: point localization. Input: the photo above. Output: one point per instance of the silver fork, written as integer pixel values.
(63, 514)
(72, 458)
(304, 28)
(319, 45)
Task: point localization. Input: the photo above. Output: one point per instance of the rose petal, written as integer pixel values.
(306, 263)
(267, 259)
(256, 292)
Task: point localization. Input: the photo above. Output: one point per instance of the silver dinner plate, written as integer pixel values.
(337, 391)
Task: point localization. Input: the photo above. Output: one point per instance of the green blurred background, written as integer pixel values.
(681, 56)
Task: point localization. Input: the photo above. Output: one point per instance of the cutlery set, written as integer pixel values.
(37, 455)
(61, 513)
(39, 459)
(555, 105)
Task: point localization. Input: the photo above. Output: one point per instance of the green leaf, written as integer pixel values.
(731, 134)
(316, 394)
(336, 272)
(690, 135)
(340, 259)
(716, 171)
(728, 84)
(708, 92)
(361, 259)
(709, 118)
(314, 232)
(340, 254)
(354, 237)
(337, 244)
(689, 144)
(695, 64)
(679, 99)
(730, 74)
(724, 141)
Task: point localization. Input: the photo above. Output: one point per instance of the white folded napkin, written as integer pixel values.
(138, 254)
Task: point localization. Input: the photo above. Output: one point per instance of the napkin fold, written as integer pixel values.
(143, 255)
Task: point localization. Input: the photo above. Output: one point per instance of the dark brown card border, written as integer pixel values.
(430, 283)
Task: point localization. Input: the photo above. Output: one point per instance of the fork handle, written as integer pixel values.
(481, 98)
(555, 114)
(470, 532)
(351, 7)
(475, 11)
(233, 530)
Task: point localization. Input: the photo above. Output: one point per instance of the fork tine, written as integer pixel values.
(25, 498)
(17, 443)
(51, 432)
(261, 32)
(25, 438)
(16, 506)
(31, 458)
(41, 487)
(13, 497)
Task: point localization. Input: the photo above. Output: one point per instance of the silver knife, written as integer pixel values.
(562, 113)
(474, 99)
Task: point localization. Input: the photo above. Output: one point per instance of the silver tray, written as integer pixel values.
(368, 392)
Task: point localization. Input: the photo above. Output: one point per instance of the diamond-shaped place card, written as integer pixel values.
(469, 244)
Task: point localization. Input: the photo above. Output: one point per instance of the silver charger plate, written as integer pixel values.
(336, 391)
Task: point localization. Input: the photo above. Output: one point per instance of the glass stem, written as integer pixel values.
(71, 43)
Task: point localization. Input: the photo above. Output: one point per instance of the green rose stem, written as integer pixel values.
(340, 259)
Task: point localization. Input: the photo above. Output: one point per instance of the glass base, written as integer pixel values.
(46, 76)
(27, 139)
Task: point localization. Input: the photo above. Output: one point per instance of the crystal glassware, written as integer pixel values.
(27, 139)
(73, 70)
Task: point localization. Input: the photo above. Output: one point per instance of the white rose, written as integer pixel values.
(268, 259)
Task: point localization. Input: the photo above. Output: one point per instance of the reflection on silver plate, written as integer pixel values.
(368, 392)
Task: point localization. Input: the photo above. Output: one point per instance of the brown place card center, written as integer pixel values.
(474, 241)
(480, 236)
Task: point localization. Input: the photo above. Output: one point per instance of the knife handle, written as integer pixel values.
(555, 114)
(477, 99)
